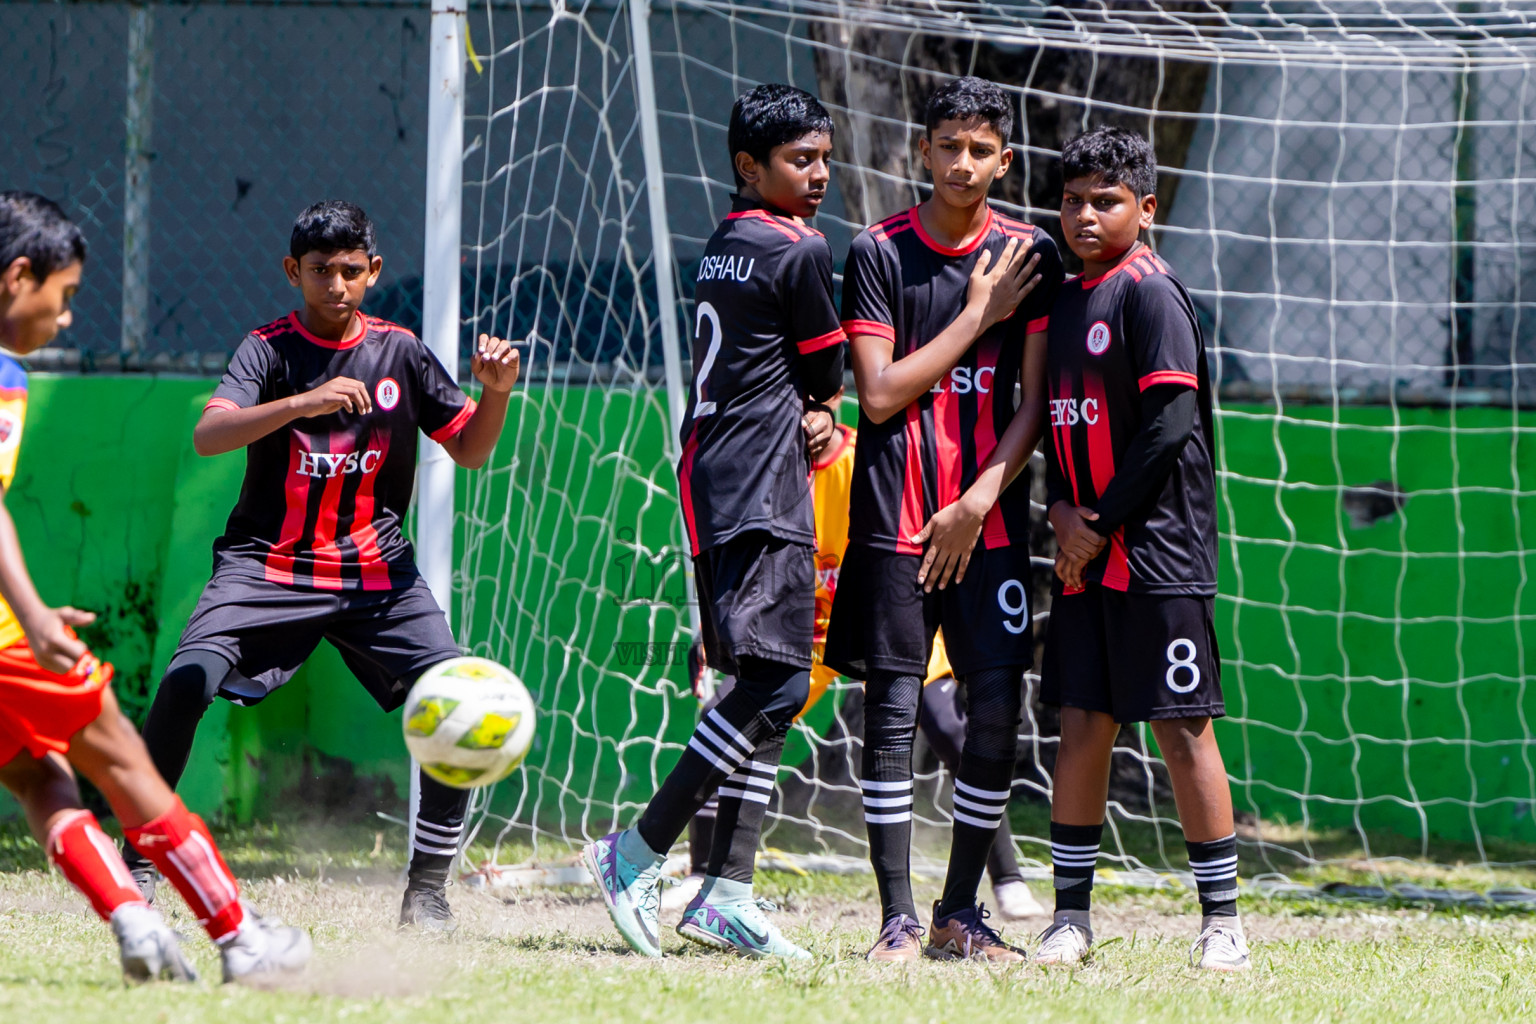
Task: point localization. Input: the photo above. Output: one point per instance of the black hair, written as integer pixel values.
(1116, 156)
(771, 115)
(332, 226)
(38, 229)
(968, 98)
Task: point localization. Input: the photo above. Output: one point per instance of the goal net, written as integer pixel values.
(1349, 191)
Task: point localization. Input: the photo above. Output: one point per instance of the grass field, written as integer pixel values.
(553, 957)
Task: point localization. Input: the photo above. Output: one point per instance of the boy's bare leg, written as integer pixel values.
(1079, 792)
(45, 788)
(1080, 787)
(110, 753)
(1199, 777)
(1204, 799)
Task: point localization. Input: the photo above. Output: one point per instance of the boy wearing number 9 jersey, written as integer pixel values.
(767, 348)
(1132, 498)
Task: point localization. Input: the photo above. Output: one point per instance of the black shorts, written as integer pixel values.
(757, 599)
(1136, 657)
(386, 637)
(882, 620)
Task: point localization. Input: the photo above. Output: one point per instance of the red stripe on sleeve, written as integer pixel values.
(871, 327)
(296, 498)
(456, 424)
(1101, 462)
(219, 403)
(820, 342)
(1035, 326)
(1189, 380)
(685, 487)
(364, 533)
(911, 520)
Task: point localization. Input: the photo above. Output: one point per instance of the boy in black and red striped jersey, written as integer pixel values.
(767, 350)
(946, 306)
(327, 402)
(1132, 498)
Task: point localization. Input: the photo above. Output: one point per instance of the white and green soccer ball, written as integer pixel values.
(469, 722)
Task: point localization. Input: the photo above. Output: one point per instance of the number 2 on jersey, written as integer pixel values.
(716, 335)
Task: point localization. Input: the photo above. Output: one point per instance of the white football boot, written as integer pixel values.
(150, 950)
(1221, 946)
(1067, 942)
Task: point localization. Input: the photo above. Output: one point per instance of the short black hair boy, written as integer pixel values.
(1115, 156)
(967, 99)
(769, 116)
(332, 225)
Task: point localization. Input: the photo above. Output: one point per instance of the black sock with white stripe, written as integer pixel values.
(994, 697)
(1214, 865)
(1074, 855)
(743, 803)
(982, 789)
(890, 722)
(721, 743)
(439, 827)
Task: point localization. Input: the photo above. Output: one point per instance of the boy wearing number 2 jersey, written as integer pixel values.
(767, 347)
(1132, 498)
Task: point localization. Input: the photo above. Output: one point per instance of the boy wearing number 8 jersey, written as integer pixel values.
(1132, 498)
(767, 348)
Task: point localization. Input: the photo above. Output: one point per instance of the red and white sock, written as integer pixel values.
(83, 854)
(178, 843)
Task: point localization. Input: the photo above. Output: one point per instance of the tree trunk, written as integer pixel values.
(877, 80)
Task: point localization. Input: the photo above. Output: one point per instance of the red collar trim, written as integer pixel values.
(826, 459)
(944, 250)
(1125, 260)
(348, 342)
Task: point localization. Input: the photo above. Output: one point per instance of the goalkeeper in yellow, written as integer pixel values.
(940, 716)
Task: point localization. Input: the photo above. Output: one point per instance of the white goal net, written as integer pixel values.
(1349, 191)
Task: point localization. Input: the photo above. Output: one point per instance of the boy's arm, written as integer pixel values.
(805, 289)
(45, 628)
(1169, 410)
(225, 426)
(495, 364)
(887, 386)
(242, 410)
(951, 533)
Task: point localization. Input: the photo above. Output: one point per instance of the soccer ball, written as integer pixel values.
(469, 722)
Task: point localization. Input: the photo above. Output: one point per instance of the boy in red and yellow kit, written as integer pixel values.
(57, 710)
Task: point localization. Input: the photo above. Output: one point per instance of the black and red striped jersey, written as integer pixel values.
(324, 498)
(1112, 338)
(762, 300)
(902, 285)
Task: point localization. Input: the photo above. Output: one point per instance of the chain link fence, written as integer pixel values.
(248, 113)
(1350, 228)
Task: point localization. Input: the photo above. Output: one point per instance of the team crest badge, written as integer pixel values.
(388, 394)
(1098, 338)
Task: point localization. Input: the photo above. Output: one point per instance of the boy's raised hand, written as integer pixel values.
(335, 394)
(999, 286)
(495, 363)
